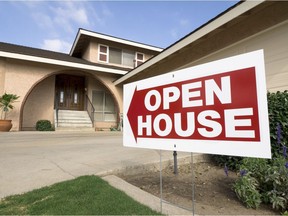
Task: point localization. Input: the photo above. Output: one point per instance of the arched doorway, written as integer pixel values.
(71, 91)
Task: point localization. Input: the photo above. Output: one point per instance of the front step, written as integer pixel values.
(73, 120)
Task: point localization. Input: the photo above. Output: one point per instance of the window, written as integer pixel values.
(103, 53)
(115, 56)
(139, 59)
(128, 58)
(120, 57)
(104, 105)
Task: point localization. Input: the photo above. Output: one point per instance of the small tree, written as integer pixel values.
(6, 102)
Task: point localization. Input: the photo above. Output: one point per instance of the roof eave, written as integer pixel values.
(60, 63)
(111, 38)
(192, 37)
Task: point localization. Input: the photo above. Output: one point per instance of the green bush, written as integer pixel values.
(278, 122)
(44, 125)
(271, 176)
(265, 181)
(232, 162)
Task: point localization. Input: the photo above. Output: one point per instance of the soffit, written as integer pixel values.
(253, 21)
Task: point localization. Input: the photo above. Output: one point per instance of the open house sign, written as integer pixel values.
(218, 108)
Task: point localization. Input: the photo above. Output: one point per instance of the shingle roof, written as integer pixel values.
(29, 51)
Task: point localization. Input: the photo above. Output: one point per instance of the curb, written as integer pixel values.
(144, 197)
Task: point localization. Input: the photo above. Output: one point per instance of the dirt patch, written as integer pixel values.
(213, 193)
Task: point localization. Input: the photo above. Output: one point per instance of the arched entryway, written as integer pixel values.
(71, 91)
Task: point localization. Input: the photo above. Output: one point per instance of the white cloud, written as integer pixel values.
(56, 45)
(67, 14)
(44, 21)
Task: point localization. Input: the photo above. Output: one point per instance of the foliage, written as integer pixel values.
(278, 120)
(6, 101)
(232, 162)
(86, 195)
(271, 175)
(246, 189)
(44, 125)
(264, 181)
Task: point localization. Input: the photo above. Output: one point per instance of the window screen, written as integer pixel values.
(104, 105)
(115, 56)
(128, 58)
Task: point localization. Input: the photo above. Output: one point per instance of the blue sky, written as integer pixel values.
(53, 25)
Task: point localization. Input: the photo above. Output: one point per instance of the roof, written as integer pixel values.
(196, 42)
(83, 37)
(56, 58)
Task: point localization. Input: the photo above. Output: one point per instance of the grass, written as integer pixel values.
(87, 195)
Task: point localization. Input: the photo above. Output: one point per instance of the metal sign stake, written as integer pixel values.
(193, 185)
(161, 196)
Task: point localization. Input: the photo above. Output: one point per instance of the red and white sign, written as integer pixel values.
(218, 108)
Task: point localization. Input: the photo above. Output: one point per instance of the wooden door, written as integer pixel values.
(70, 92)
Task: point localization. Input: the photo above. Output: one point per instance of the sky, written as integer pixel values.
(53, 25)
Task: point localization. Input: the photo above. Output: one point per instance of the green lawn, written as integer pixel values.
(87, 195)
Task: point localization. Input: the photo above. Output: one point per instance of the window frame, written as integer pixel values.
(137, 61)
(103, 111)
(102, 53)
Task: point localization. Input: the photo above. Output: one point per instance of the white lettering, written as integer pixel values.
(231, 123)
(170, 94)
(147, 100)
(168, 124)
(187, 94)
(147, 125)
(190, 124)
(224, 94)
(216, 126)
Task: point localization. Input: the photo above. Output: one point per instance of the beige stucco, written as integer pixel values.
(2, 75)
(20, 78)
(274, 43)
(35, 84)
(39, 104)
(91, 52)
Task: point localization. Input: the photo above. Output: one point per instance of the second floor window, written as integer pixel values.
(139, 59)
(103, 53)
(115, 56)
(121, 57)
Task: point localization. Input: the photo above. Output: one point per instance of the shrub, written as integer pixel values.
(278, 122)
(246, 189)
(232, 162)
(44, 125)
(271, 175)
(263, 181)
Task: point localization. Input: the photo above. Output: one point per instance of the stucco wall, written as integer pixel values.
(274, 41)
(39, 104)
(2, 75)
(20, 78)
(35, 85)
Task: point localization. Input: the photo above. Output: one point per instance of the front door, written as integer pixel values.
(70, 92)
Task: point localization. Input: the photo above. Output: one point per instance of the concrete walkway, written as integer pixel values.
(30, 160)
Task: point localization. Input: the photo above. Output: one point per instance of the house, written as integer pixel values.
(94, 73)
(72, 90)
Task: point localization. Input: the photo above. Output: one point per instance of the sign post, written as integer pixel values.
(215, 108)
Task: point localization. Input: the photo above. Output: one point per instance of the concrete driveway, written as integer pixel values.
(30, 160)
